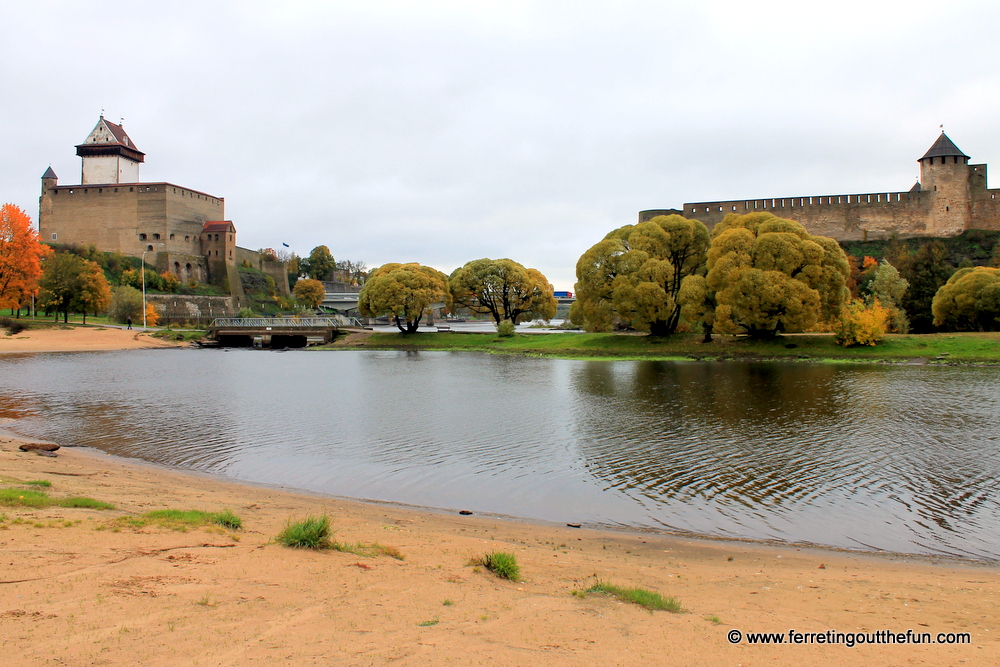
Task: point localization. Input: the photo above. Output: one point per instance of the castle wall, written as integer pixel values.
(176, 308)
(277, 270)
(128, 218)
(843, 217)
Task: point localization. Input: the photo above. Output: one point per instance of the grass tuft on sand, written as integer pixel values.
(643, 597)
(310, 533)
(182, 520)
(13, 497)
(501, 563)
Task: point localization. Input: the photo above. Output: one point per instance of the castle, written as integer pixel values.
(950, 197)
(179, 229)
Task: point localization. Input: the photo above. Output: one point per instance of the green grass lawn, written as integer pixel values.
(964, 347)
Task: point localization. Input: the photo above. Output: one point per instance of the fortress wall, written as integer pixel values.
(175, 308)
(80, 215)
(842, 217)
(985, 213)
(112, 217)
(277, 270)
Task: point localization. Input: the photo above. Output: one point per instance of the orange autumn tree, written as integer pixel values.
(21, 253)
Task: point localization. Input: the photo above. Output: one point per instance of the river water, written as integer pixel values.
(898, 458)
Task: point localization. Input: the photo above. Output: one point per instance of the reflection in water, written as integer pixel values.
(899, 458)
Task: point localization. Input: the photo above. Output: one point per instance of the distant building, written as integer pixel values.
(950, 197)
(179, 229)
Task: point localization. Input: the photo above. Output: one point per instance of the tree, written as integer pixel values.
(861, 323)
(404, 291)
(771, 276)
(926, 271)
(698, 304)
(125, 303)
(634, 275)
(61, 282)
(504, 289)
(310, 292)
(21, 255)
(319, 265)
(969, 301)
(94, 294)
(888, 288)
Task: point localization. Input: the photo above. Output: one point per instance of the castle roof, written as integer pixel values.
(49, 173)
(219, 226)
(107, 138)
(943, 147)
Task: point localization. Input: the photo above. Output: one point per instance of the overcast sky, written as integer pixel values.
(440, 132)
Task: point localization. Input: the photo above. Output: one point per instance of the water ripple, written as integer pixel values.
(897, 458)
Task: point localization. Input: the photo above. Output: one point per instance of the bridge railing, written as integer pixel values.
(281, 322)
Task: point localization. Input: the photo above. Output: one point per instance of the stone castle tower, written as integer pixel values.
(950, 198)
(109, 156)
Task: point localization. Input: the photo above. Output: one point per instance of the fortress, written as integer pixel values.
(182, 230)
(950, 197)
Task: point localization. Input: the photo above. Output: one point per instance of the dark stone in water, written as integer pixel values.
(574, 525)
(465, 512)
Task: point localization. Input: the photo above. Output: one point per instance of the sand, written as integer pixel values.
(79, 339)
(73, 590)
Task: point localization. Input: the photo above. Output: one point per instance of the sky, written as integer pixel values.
(442, 132)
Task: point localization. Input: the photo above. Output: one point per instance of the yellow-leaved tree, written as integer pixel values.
(503, 289)
(633, 276)
(310, 292)
(405, 292)
(969, 301)
(768, 275)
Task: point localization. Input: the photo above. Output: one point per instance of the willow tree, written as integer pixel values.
(770, 275)
(969, 301)
(503, 289)
(405, 292)
(634, 275)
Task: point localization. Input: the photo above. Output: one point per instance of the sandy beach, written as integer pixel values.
(79, 339)
(83, 587)
(77, 588)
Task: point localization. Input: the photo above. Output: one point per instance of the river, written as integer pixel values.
(885, 457)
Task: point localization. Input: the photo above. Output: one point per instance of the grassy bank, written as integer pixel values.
(951, 347)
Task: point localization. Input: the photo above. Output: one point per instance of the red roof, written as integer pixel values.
(219, 226)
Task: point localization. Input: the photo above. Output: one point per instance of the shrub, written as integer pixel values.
(126, 302)
(969, 301)
(171, 283)
(312, 533)
(644, 598)
(13, 327)
(505, 329)
(502, 564)
(861, 324)
(152, 317)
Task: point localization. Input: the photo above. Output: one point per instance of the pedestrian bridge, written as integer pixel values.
(272, 332)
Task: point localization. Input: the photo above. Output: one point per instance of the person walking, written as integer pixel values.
(128, 321)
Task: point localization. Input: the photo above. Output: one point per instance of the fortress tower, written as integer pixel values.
(944, 176)
(109, 156)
